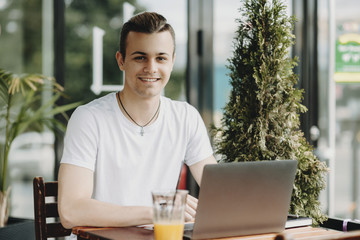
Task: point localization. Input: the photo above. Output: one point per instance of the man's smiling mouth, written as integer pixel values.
(149, 79)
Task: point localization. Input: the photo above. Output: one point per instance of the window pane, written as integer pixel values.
(25, 35)
(225, 26)
(93, 26)
(347, 156)
(346, 189)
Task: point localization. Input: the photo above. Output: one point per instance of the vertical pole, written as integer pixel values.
(355, 174)
(47, 45)
(199, 81)
(59, 66)
(199, 85)
(47, 38)
(331, 109)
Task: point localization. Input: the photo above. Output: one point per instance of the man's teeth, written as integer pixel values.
(149, 79)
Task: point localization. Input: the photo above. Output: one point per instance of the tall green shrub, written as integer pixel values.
(261, 118)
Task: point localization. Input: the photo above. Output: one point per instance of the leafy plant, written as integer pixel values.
(261, 118)
(23, 109)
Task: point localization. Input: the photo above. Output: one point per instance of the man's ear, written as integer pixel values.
(120, 60)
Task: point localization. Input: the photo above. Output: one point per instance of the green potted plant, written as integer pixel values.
(23, 109)
(261, 118)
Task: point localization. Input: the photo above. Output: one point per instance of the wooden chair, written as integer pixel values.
(44, 210)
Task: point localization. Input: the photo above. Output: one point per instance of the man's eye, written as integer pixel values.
(161, 59)
(139, 58)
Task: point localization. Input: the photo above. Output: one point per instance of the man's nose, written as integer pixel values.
(151, 66)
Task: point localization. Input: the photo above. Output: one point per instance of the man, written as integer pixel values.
(122, 146)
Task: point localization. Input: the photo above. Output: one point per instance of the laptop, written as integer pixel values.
(243, 198)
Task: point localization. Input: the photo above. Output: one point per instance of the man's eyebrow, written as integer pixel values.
(138, 52)
(144, 54)
(164, 53)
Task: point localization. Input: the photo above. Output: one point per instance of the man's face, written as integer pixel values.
(148, 63)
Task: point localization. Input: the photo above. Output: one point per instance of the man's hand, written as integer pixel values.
(190, 211)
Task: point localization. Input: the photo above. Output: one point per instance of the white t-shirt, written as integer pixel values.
(126, 165)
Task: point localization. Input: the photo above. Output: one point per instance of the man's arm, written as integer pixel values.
(76, 208)
(197, 168)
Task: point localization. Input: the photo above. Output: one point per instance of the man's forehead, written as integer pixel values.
(159, 43)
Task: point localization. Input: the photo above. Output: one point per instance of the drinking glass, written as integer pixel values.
(169, 210)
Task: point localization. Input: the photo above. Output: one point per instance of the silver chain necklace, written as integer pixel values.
(141, 126)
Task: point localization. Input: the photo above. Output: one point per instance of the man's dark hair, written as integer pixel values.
(146, 22)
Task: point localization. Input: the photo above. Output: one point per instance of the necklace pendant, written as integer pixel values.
(142, 127)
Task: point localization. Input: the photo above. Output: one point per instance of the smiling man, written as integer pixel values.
(122, 146)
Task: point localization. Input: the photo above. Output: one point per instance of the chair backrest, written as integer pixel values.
(44, 209)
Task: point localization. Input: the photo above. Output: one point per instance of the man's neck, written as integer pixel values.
(139, 109)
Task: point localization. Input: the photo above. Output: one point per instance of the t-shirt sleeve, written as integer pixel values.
(198, 145)
(81, 138)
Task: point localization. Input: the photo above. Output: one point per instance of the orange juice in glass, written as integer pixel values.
(168, 219)
(168, 231)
